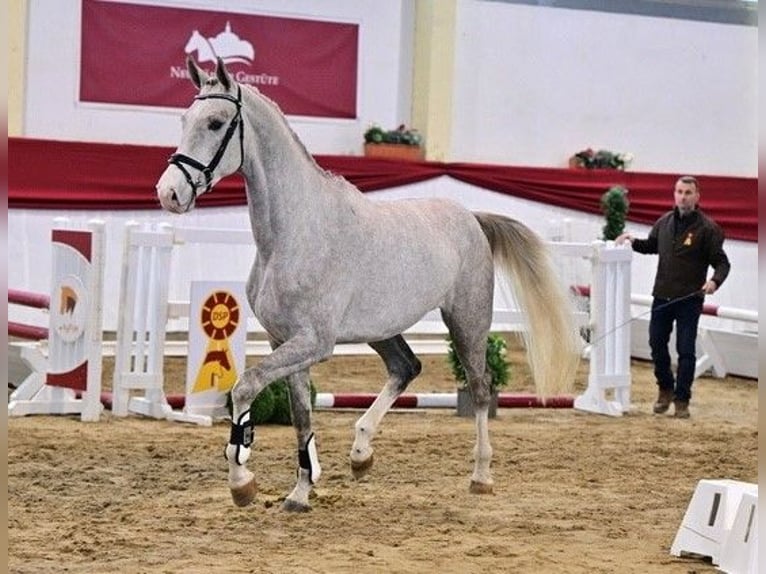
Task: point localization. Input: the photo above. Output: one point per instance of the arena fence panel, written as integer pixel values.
(145, 311)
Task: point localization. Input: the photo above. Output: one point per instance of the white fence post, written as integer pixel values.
(608, 390)
(139, 361)
(141, 331)
(94, 333)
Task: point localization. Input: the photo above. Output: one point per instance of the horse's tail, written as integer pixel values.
(552, 343)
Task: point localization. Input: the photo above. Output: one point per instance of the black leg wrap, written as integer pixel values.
(308, 460)
(241, 437)
(303, 459)
(241, 434)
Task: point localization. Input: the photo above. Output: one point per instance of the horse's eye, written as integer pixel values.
(214, 125)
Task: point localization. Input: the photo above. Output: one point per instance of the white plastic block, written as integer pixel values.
(709, 517)
(739, 552)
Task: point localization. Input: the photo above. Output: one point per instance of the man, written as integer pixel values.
(687, 242)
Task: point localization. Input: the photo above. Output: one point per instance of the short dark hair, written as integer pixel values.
(690, 179)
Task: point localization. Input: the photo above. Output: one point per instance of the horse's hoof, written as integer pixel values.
(480, 488)
(245, 494)
(360, 468)
(293, 506)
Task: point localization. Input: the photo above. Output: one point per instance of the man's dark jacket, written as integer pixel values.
(686, 247)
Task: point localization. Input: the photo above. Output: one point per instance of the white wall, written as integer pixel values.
(534, 85)
(53, 112)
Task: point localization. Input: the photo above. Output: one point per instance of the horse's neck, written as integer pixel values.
(286, 190)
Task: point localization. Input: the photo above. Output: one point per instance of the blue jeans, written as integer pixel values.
(686, 315)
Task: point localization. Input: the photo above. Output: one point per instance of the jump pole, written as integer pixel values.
(710, 309)
(711, 357)
(438, 401)
(405, 401)
(35, 301)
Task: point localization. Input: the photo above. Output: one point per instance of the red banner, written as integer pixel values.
(121, 176)
(135, 54)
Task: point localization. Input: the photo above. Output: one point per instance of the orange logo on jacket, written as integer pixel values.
(688, 240)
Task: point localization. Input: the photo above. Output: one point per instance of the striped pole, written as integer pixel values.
(711, 309)
(438, 401)
(405, 401)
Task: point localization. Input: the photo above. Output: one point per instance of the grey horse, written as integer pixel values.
(333, 266)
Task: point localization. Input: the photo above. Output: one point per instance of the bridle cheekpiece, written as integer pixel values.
(179, 159)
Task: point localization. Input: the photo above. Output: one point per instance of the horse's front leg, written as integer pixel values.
(402, 366)
(241, 480)
(293, 356)
(308, 461)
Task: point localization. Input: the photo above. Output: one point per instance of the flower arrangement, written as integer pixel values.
(401, 135)
(497, 364)
(601, 159)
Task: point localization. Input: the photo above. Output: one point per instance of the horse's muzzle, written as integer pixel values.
(169, 202)
(170, 193)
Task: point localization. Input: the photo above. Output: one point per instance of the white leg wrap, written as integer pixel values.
(237, 453)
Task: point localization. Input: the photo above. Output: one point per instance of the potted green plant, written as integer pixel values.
(272, 405)
(614, 204)
(497, 365)
(402, 143)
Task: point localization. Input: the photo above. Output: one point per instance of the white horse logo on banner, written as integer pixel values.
(226, 45)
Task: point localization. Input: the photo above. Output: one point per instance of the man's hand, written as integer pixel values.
(709, 287)
(620, 239)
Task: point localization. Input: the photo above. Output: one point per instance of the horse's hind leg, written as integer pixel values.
(468, 330)
(308, 462)
(402, 366)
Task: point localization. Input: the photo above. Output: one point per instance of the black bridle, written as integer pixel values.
(179, 159)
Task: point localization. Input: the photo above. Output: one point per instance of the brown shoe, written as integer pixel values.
(663, 401)
(682, 409)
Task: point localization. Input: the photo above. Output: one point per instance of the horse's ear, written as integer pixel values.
(198, 75)
(222, 74)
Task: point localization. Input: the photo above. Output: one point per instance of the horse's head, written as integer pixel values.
(211, 140)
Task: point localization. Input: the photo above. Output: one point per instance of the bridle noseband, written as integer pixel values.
(179, 159)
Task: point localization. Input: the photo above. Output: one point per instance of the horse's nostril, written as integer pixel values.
(174, 197)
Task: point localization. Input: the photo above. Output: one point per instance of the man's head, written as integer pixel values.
(686, 194)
